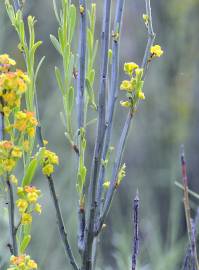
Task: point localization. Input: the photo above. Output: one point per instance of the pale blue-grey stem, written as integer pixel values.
(16, 5)
(112, 96)
(117, 164)
(125, 131)
(101, 126)
(80, 100)
(135, 245)
(151, 37)
(82, 65)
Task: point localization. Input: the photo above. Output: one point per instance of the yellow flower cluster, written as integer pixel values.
(25, 122)
(9, 155)
(129, 68)
(134, 85)
(50, 159)
(121, 174)
(156, 51)
(6, 62)
(27, 202)
(22, 262)
(12, 86)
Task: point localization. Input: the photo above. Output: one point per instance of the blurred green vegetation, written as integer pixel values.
(168, 118)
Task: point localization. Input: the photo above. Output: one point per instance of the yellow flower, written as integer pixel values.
(145, 18)
(26, 145)
(32, 189)
(32, 264)
(26, 122)
(126, 85)
(6, 145)
(141, 95)
(13, 179)
(121, 174)
(31, 132)
(48, 169)
(26, 219)
(16, 152)
(156, 51)
(6, 62)
(22, 205)
(38, 208)
(139, 73)
(16, 260)
(9, 164)
(81, 8)
(51, 157)
(130, 67)
(6, 110)
(106, 184)
(32, 197)
(125, 103)
(20, 191)
(22, 262)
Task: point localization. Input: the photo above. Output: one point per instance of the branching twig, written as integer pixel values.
(126, 128)
(81, 229)
(101, 126)
(112, 96)
(113, 184)
(151, 37)
(82, 63)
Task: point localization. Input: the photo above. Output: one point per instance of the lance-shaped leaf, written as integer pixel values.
(24, 244)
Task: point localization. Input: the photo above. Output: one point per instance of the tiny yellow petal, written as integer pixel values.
(141, 95)
(156, 51)
(106, 184)
(125, 104)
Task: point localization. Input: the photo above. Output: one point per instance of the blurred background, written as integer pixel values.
(167, 118)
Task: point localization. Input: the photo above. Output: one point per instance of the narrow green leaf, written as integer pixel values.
(61, 38)
(30, 172)
(24, 244)
(59, 80)
(95, 51)
(40, 155)
(89, 42)
(34, 48)
(10, 11)
(91, 76)
(66, 56)
(70, 68)
(55, 43)
(56, 11)
(90, 94)
(26, 229)
(70, 99)
(72, 22)
(38, 67)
